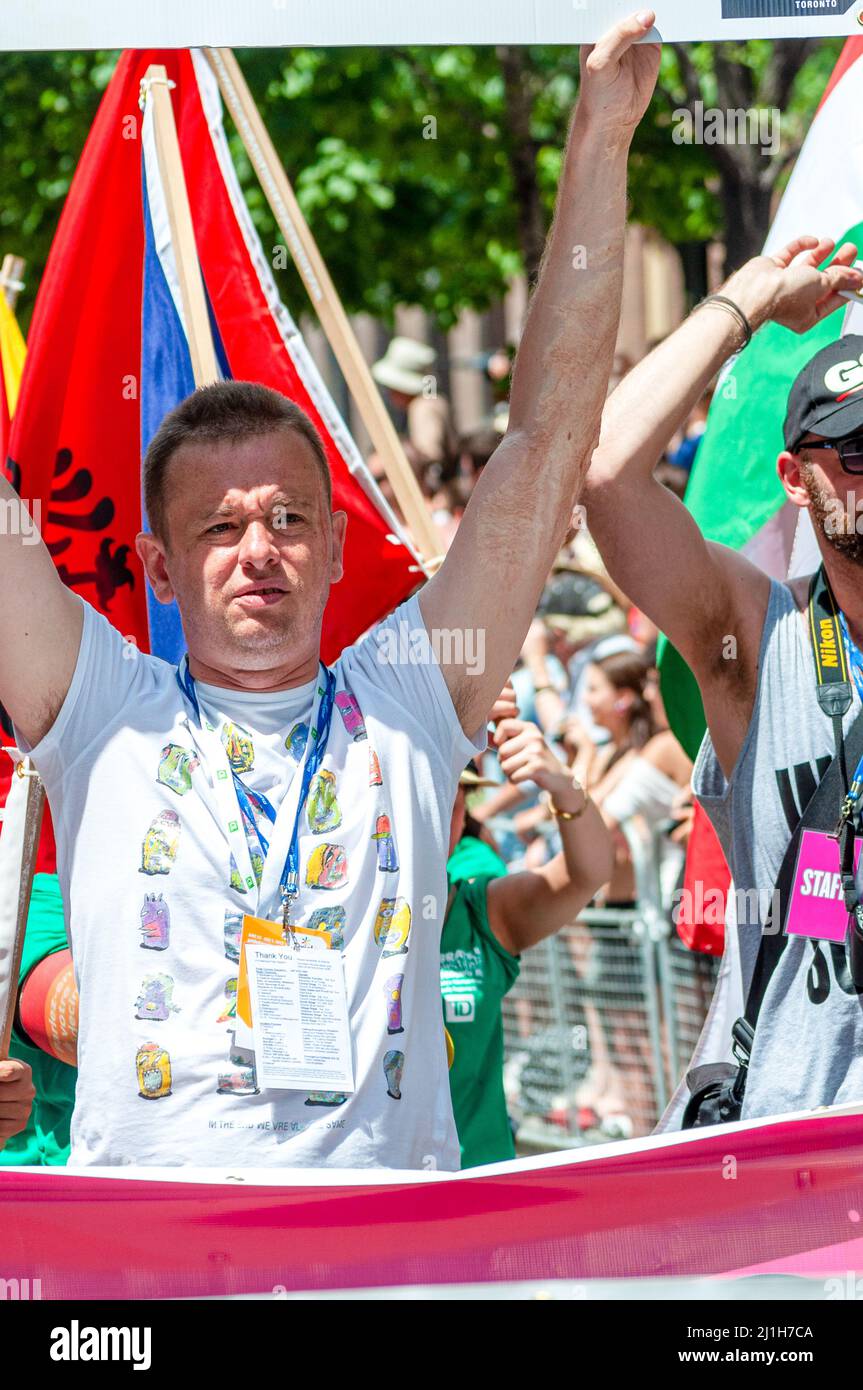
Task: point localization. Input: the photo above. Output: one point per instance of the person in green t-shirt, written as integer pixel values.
(493, 917)
(46, 970)
(473, 855)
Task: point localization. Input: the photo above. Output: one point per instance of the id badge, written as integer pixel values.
(300, 1018)
(259, 931)
(817, 905)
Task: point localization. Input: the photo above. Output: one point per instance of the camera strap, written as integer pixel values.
(835, 694)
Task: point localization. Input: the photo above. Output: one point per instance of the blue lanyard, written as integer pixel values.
(289, 883)
(855, 662)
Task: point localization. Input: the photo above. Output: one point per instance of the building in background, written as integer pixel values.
(654, 303)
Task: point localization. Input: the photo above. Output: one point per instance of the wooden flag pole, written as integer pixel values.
(322, 292)
(12, 278)
(21, 816)
(203, 353)
(19, 843)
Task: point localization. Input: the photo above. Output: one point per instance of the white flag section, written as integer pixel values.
(67, 24)
(824, 196)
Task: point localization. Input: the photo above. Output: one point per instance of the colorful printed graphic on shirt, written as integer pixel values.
(387, 861)
(257, 864)
(176, 766)
(155, 999)
(238, 745)
(333, 920)
(160, 844)
(296, 741)
(327, 867)
(233, 932)
(241, 1082)
(393, 996)
(322, 806)
(392, 926)
(155, 923)
(241, 885)
(153, 1066)
(352, 715)
(796, 786)
(326, 1098)
(394, 1065)
(253, 839)
(230, 1009)
(375, 779)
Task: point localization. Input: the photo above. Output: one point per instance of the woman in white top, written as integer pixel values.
(635, 780)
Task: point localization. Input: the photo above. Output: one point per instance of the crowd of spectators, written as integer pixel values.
(587, 677)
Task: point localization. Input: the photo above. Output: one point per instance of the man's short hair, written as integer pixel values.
(224, 411)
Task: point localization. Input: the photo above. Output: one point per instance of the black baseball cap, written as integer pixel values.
(827, 397)
(578, 605)
(574, 594)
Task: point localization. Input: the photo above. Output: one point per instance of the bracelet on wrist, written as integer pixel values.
(728, 305)
(558, 814)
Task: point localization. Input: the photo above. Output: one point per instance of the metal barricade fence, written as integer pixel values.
(602, 1022)
(599, 1028)
(690, 978)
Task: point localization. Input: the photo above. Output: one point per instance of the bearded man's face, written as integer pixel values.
(836, 502)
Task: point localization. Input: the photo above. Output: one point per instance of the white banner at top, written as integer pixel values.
(71, 24)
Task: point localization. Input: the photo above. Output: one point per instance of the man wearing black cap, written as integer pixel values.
(825, 417)
(747, 639)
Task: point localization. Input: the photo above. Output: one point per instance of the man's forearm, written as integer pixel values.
(534, 904)
(655, 399)
(521, 507)
(567, 349)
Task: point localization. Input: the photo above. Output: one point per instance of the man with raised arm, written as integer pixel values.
(766, 728)
(253, 783)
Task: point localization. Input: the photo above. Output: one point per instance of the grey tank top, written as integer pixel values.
(809, 1040)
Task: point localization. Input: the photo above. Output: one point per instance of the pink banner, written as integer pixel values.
(786, 1196)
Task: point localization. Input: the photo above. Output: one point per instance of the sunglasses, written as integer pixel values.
(850, 451)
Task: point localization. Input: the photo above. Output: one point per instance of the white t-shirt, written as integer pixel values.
(153, 918)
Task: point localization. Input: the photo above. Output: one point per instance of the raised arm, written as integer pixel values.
(695, 591)
(40, 623)
(520, 511)
(524, 908)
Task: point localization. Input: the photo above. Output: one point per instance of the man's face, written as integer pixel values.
(835, 498)
(560, 642)
(250, 550)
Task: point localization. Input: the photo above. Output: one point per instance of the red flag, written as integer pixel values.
(700, 918)
(76, 435)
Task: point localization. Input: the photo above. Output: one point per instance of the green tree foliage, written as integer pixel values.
(787, 78)
(47, 104)
(428, 175)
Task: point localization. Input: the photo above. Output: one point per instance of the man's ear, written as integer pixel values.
(788, 466)
(151, 553)
(340, 526)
